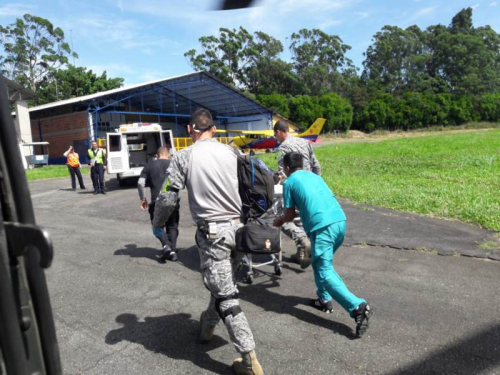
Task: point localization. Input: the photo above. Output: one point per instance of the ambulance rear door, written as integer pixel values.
(117, 153)
(167, 139)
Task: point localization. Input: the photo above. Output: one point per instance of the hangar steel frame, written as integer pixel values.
(177, 98)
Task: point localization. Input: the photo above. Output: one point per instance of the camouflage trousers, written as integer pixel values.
(218, 277)
(294, 229)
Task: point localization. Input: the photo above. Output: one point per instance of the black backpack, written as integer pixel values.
(256, 186)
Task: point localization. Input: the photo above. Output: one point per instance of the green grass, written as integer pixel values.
(454, 176)
(490, 245)
(441, 128)
(51, 171)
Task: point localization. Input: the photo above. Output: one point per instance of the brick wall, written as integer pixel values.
(61, 132)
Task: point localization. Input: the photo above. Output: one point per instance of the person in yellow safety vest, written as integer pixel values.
(97, 159)
(73, 163)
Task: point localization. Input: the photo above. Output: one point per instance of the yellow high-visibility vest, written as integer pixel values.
(97, 158)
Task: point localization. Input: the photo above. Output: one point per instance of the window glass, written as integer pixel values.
(115, 143)
(167, 141)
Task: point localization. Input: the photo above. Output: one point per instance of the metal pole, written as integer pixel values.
(95, 124)
(175, 112)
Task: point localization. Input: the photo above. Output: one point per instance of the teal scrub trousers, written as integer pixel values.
(324, 242)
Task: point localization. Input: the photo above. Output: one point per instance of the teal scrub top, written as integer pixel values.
(307, 192)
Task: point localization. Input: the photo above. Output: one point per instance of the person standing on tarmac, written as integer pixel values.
(73, 163)
(209, 171)
(295, 229)
(153, 174)
(97, 157)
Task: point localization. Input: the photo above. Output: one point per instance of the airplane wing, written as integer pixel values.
(264, 133)
(311, 133)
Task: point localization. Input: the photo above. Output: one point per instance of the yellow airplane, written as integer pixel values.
(264, 139)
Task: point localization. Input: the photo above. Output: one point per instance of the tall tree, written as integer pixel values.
(320, 61)
(227, 56)
(269, 76)
(247, 61)
(33, 48)
(315, 47)
(462, 21)
(73, 81)
(458, 59)
(397, 60)
(467, 58)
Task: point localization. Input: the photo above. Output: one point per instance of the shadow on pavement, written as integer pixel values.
(175, 336)
(86, 191)
(261, 295)
(140, 252)
(475, 354)
(190, 258)
(294, 269)
(127, 184)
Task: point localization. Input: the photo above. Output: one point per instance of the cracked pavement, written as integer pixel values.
(119, 311)
(376, 226)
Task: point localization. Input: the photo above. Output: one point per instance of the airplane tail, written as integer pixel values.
(312, 133)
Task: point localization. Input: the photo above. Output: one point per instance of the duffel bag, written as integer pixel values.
(258, 237)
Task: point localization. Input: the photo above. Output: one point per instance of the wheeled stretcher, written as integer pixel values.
(276, 256)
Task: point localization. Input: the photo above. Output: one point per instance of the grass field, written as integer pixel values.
(454, 176)
(51, 171)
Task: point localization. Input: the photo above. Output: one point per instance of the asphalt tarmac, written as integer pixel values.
(119, 311)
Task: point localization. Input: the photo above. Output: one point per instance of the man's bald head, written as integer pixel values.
(162, 153)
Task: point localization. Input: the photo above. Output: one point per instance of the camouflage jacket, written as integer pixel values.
(303, 147)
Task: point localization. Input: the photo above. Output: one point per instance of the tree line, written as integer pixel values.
(411, 78)
(36, 55)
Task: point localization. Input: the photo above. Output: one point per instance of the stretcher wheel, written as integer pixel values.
(250, 278)
(277, 270)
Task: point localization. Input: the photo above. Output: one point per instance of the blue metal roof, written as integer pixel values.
(177, 96)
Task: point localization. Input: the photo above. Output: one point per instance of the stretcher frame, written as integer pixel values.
(277, 257)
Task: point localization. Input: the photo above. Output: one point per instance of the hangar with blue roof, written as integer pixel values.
(168, 101)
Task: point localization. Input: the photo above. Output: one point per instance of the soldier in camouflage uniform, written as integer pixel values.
(209, 170)
(294, 229)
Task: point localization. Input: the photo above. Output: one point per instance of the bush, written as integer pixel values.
(416, 110)
(337, 112)
(304, 109)
(441, 108)
(276, 102)
(489, 107)
(413, 110)
(462, 110)
(376, 115)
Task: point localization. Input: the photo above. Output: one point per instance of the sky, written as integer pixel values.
(146, 40)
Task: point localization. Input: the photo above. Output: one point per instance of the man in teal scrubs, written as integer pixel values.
(325, 223)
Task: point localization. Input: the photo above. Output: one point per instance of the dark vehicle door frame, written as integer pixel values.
(28, 342)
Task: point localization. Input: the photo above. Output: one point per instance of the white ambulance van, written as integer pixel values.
(131, 146)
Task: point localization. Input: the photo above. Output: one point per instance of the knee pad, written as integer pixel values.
(158, 232)
(233, 310)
